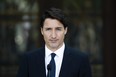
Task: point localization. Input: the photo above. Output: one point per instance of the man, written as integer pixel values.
(66, 62)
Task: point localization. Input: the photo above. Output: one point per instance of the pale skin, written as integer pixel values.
(53, 32)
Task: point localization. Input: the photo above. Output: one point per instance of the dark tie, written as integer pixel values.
(52, 65)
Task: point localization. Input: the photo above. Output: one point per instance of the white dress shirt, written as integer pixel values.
(58, 58)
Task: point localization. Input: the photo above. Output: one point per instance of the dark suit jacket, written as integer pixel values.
(74, 64)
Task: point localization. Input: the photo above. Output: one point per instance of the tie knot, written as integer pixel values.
(53, 55)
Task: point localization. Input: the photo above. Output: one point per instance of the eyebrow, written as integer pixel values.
(58, 27)
(51, 27)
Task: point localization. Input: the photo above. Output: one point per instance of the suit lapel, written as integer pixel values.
(66, 63)
(41, 63)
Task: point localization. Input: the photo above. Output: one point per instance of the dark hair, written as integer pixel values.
(54, 13)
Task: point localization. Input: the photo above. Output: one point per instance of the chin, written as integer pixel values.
(54, 46)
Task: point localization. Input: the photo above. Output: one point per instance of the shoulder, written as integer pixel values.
(34, 53)
(77, 53)
(78, 56)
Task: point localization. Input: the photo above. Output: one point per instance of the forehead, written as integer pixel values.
(52, 23)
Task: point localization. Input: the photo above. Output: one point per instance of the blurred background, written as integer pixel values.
(91, 30)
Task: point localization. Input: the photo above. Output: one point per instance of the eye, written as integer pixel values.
(47, 29)
(59, 29)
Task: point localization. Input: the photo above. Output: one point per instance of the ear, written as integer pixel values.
(66, 29)
(42, 31)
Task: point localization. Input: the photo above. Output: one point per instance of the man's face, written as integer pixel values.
(53, 32)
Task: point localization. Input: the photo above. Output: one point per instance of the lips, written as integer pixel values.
(53, 41)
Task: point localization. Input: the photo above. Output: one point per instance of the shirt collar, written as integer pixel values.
(58, 52)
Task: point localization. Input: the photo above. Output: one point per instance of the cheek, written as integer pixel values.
(45, 36)
(61, 36)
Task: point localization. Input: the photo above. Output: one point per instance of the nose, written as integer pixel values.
(53, 34)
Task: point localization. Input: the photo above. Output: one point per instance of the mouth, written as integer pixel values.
(53, 41)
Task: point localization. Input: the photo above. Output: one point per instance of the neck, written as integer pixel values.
(53, 49)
